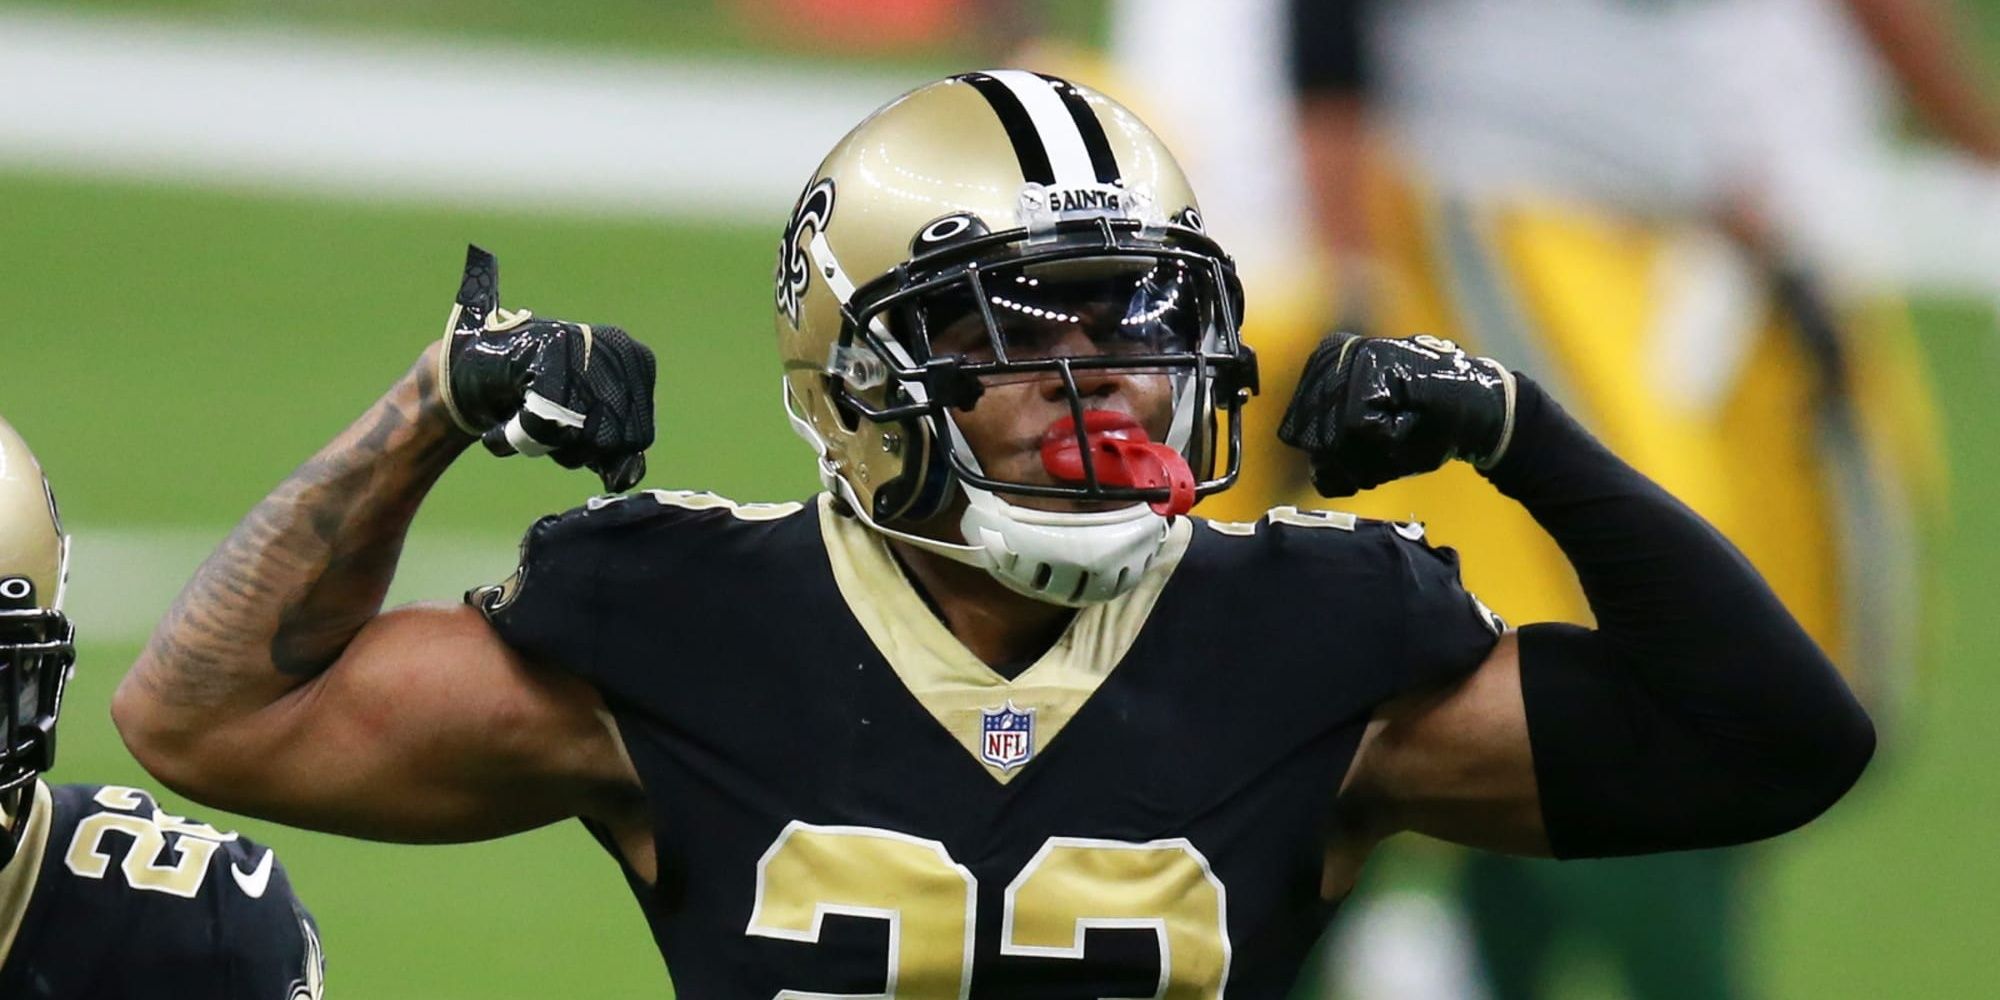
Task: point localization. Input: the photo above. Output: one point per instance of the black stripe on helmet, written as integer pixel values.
(1028, 148)
(1102, 160)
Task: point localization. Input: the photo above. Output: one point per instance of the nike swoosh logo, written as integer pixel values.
(253, 883)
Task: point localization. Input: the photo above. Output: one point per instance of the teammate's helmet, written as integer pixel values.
(37, 643)
(1026, 209)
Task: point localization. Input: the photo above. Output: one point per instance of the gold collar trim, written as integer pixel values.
(956, 687)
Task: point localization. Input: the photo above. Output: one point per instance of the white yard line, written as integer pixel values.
(122, 579)
(480, 126)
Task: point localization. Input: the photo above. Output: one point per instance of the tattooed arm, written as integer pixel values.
(275, 686)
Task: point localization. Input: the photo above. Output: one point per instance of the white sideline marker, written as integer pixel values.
(389, 118)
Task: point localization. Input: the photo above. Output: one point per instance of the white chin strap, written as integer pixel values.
(1062, 557)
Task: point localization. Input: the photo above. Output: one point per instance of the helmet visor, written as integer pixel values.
(1140, 336)
(37, 648)
(1101, 310)
(1110, 323)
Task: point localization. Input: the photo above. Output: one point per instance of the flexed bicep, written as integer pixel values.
(429, 729)
(276, 676)
(1453, 762)
(1697, 714)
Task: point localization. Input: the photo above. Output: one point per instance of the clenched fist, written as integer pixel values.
(580, 394)
(1369, 410)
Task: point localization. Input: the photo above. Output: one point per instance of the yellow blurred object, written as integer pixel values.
(1575, 297)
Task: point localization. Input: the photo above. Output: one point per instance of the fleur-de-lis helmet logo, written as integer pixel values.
(814, 209)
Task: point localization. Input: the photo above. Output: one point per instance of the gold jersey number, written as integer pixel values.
(148, 827)
(1073, 884)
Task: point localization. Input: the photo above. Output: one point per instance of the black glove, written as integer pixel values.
(1369, 410)
(580, 394)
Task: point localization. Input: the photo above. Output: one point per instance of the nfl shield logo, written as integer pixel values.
(1006, 736)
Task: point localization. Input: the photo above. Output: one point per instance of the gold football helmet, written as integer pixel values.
(1042, 216)
(37, 642)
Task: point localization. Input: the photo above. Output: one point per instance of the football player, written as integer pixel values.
(993, 714)
(103, 895)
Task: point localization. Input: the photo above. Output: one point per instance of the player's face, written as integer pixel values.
(1086, 310)
(1016, 416)
(1008, 427)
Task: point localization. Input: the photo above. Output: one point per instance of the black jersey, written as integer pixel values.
(846, 801)
(128, 901)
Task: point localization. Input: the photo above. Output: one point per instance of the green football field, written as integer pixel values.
(173, 354)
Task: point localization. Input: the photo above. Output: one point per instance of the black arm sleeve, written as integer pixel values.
(1698, 713)
(1329, 46)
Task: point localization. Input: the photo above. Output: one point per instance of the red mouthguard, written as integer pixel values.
(1122, 455)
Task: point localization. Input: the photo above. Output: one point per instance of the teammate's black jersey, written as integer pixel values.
(127, 901)
(845, 799)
